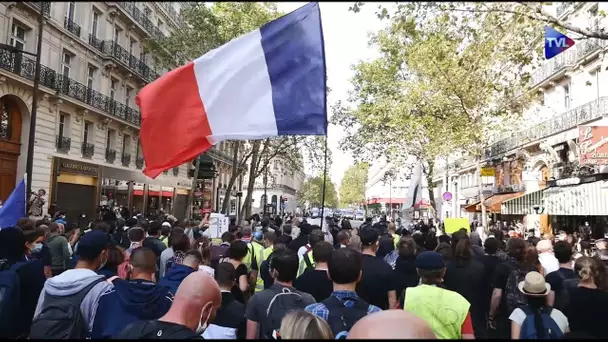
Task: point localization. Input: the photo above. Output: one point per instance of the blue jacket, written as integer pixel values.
(129, 301)
(174, 277)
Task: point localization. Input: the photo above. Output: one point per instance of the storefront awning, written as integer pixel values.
(522, 205)
(581, 200)
(492, 203)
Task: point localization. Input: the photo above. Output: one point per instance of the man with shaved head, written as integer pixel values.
(135, 299)
(194, 306)
(391, 324)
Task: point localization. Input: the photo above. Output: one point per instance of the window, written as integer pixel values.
(138, 148)
(110, 139)
(143, 57)
(71, 10)
(597, 82)
(94, 23)
(160, 25)
(132, 43)
(128, 96)
(113, 84)
(117, 32)
(18, 36)
(63, 124)
(91, 72)
(125, 144)
(65, 65)
(6, 119)
(567, 98)
(87, 128)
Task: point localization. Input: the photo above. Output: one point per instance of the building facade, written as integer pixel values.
(94, 62)
(278, 188)
(538, 176)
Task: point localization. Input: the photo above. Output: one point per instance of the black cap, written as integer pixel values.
(429, 260)
(92, 244)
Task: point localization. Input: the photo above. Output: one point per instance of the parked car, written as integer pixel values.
(360, 215)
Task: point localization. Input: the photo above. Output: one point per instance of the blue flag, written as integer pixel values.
(14, 207)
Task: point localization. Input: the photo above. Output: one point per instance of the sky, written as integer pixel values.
(346, 43)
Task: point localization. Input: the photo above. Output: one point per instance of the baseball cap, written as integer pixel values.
(92, 244)
(429, 260)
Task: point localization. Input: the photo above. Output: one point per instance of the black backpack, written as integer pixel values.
(61, 317)
(514, 297)
(562, 299)
(279, 306)
(341, 318)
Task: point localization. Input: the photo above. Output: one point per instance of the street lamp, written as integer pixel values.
(30, 145)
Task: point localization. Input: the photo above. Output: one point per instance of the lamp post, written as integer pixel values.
(30, 145)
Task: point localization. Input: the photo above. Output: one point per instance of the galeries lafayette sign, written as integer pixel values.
(593, 144)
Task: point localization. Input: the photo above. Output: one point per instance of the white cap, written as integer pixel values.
(166, 224)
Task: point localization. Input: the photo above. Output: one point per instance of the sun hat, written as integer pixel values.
(534, 285)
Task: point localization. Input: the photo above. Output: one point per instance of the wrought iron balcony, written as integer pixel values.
(63, 144)
(88, 150)
(44, 6)
(71, 26)
(141, 19)
(569, 58)
(175, 171)
(24, 67)
(123, 56)
(568, 120)
(110, 155)
(125, 159)
(96, 43)
(171, 12)
(139, 162)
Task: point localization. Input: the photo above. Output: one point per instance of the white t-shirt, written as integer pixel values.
(518, 316)
(209, 270)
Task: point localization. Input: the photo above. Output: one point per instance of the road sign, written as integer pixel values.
(447, 196)
(488, 172)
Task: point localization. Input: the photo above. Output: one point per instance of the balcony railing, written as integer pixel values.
(139, 162)
(63, 144)
(171, 12)
(141, 19)
(88, 150)
(569, 58)
(570, 119)
(96, 43)
(175, 171)
(123, 56)
(45, 6)
(110, 155)
(125, 159)
(71, 26)
(23, 66)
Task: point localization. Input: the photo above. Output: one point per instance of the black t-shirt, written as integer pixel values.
(490, 262)
(157, 330)
(316, 283)
(556, 279)
(265, 274)
(236, 290)
(376, 282)
(405, 274)
(586, 311)
(466, 278)
(155, 245)
(32, 279)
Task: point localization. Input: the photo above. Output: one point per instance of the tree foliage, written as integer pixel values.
(352, 187)
(311, 193)
(437, 87)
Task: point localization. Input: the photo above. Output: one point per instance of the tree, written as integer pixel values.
(311, 193)
(352, 187)
(536, 12)
(438, 88)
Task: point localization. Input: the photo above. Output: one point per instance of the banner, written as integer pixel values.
(455, 224)
(592, 141)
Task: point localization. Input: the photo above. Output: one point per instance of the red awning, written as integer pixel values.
(385, 200)
(138, 192)
(155, 193)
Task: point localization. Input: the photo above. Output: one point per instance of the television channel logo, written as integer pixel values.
(556, 42)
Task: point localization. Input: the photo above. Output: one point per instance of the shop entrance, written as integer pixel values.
(10, 145)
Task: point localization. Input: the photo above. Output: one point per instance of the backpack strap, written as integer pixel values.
(111, 279)
(284, 291)
(307, 261)
(78, 297)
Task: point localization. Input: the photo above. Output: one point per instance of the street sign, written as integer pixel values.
(488, 172)
(447, 196)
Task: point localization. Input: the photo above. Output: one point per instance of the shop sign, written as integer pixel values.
(488, 172)
(593, 144)
(76, 167)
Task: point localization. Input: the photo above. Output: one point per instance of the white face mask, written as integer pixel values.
(201, 327)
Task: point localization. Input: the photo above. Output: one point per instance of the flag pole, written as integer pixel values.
(324, 184)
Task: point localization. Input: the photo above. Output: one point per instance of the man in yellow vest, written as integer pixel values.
(270, 238)
(307, 261)
(392, 231)
(447, 312)
(252, 260)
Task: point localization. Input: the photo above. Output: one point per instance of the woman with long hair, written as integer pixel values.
(536, 290)
(587, 303)
(203, 244)
(236, 253)
(532, 260)
(464, 275)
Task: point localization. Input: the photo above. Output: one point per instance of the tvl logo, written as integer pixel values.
(556, 42)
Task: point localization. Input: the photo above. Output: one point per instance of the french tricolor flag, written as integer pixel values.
(266, 83)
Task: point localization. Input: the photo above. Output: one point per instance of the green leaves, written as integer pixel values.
(311, 193)
(352, 187)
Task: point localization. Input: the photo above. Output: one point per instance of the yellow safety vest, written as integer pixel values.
(303, 265)
(444, 310)
(256, 248)
(396, 240)
(259, 284)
